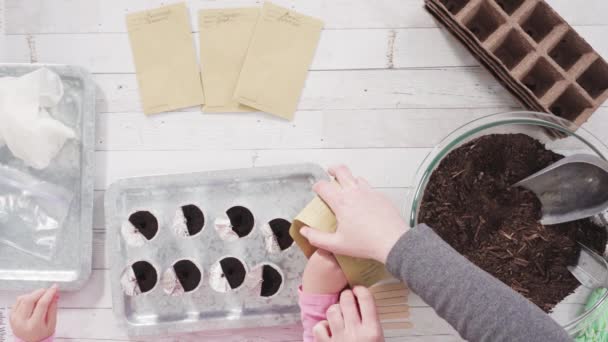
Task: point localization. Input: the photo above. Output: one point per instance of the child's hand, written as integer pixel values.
(369, 225)
(34, 316)
(323, 275)
(353, 320)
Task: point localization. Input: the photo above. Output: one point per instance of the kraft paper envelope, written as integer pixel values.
(224, 39)
(277, 62)
(165, 59)
(317, 215)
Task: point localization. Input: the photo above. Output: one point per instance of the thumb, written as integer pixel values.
(326, 241)
(51, 317)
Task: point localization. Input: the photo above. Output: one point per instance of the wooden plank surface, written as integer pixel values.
(387, 84)
(91, 16)
(315, 129)
(338, 49)
(354, 89)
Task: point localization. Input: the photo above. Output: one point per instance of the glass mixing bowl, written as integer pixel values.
(557, 134)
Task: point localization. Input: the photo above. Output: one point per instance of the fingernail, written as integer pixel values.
(304, 231)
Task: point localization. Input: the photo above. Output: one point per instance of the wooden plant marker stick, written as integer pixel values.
(392, 309)
(387, 287)
(391, 301)
(395, 315)
(391, 294)
(397, 325)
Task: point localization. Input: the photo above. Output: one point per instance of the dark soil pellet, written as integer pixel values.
(145, 274)
(145, 223)
(241, 220)
(188, 274)
(470, 203)
(271, 281)
(280, 229)
(234, 271)
(195, 220)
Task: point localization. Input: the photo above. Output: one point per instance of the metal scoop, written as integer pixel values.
(573, 188)
(591, 269)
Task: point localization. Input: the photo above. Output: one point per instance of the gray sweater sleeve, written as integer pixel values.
(477, 305)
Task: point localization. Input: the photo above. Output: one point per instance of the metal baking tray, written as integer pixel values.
(269, 193)
(72, 169)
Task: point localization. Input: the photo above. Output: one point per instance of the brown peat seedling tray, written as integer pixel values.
(531, 50)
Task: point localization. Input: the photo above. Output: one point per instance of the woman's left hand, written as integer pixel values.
(355, 319)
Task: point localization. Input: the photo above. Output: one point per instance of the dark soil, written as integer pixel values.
(241, 220)
(195, 220)
(280, 228)
(271, 281)
(471, 204)
(145, 274)
(234, 271)
(145, 223)
(188, 274)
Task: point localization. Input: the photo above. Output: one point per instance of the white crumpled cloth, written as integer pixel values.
(26, 126)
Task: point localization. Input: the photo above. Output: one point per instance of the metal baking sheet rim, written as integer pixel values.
(87, 181)
(113, 225)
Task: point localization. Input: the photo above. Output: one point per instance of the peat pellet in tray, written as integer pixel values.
(470, 203)
(183, 277)
(237, 223)
(271, 281)
(140, 227)
(227, 274)
(265, 280)
(189, 220)
(138, 278)
(229, 295)
(276, 234)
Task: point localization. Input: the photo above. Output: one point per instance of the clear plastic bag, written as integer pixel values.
(32, 212)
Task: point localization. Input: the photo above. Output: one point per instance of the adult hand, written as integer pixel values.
(368, 223)
(34, 316)
(351, 320)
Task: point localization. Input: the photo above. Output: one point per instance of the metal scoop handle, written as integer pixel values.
(591, 269)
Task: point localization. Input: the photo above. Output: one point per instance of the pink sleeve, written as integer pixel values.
(48, 339)
(314, 307)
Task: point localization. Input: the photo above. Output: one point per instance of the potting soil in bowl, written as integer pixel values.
(471, 203)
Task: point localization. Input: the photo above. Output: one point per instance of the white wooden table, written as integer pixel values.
(386, 85)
